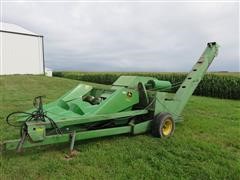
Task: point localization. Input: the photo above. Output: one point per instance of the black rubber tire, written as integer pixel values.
(157, 125)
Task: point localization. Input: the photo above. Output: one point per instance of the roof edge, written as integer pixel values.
(26, 34)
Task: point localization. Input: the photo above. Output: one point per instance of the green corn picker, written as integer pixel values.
(132, 105)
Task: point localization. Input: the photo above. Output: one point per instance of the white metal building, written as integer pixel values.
(22, 51)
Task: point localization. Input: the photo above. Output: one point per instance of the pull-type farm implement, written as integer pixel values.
(132, 105)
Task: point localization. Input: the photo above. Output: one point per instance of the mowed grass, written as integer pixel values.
(206, 145)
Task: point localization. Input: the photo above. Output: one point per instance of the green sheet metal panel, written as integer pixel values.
(131, 81)
(120, 100)
(142, 127)
(78, 91)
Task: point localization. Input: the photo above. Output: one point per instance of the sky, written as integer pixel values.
(130, 36)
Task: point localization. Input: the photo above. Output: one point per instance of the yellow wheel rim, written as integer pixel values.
(167, 127)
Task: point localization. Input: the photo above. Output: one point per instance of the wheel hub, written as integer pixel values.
(167, 127)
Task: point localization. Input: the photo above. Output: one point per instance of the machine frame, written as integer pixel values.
(133, 105)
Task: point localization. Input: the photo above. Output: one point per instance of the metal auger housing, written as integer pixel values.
(132, 105)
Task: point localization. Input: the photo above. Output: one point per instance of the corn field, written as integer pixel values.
(221, 85)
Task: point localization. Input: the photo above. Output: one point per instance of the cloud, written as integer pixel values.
(130, 36)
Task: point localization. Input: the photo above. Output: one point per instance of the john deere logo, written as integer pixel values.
(129, 94)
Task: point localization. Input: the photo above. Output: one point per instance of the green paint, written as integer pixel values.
(109, 110)
(176, 104)
(55, 139)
